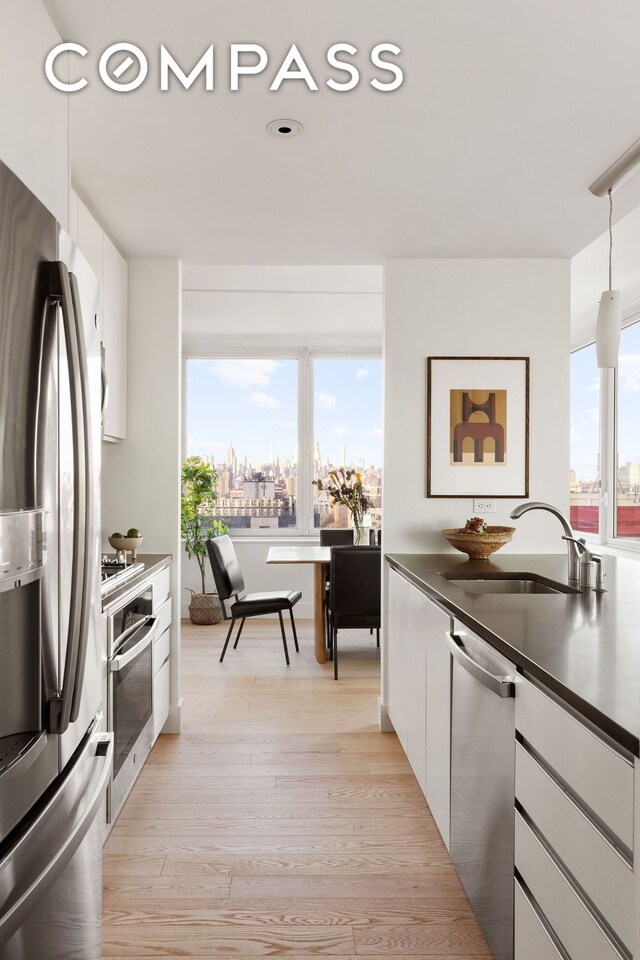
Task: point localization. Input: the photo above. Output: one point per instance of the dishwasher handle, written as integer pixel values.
(501, 686)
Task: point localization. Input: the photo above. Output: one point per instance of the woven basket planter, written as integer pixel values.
(205, 608)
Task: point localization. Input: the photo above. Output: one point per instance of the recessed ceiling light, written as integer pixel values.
(285, 128)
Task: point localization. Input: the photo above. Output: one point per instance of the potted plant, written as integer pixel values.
(198, 498)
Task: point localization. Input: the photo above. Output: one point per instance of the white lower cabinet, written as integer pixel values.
(161, 692)
(438, 740)
(574, 833)
(416, 685)
(398, 662)
(161, 667)
(419, 690)
(532, 939)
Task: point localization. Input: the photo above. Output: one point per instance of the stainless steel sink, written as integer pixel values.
(517, 585)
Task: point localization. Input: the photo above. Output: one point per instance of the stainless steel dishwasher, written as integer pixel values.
(482, 784)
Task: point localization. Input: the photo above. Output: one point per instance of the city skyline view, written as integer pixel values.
(259, 400)
(257, 465)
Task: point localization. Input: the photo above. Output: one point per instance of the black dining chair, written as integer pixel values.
(239, 605)
(330, 537)
(354, 593)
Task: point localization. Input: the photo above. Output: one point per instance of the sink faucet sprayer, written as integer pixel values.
(582, 564)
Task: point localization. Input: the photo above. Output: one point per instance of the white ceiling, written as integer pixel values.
(508, 112)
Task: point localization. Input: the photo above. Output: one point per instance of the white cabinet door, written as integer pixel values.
(416, 680)
(398, 648)
(161, 684)
(90, 239)
(114, 338)
(438, 725)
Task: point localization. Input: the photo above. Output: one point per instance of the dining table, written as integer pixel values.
(320, 557)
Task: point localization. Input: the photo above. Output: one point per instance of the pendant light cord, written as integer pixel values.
(610, 233)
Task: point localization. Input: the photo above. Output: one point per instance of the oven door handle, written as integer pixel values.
(147, 629)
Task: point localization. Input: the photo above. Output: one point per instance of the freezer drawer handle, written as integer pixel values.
(147, 628)
(13, 919)
(501, 686)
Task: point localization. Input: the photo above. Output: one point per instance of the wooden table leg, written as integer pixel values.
(319, 613)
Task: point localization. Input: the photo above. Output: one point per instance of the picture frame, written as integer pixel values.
(478, 427)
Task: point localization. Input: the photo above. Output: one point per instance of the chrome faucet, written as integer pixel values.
(573, 556)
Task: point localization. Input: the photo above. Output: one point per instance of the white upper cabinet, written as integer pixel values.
(90, 239)
(114, 338)
(111, 269)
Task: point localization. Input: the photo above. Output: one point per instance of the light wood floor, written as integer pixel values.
(281, 823)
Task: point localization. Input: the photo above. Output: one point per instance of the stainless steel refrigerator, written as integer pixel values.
(55, 757)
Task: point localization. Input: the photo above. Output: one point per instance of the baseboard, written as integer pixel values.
(383, 718)
(301, 611)
(174, 720)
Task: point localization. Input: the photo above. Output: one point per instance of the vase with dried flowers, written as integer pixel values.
(344, 486)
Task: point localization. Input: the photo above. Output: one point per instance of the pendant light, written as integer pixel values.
(609, 313)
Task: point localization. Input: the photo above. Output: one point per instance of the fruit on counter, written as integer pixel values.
(117, 536)
(133, 532)
(474, 525)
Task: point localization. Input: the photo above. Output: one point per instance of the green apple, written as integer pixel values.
(133, 532)
(117, 536)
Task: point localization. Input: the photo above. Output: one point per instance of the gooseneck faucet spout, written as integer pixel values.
(573, 555)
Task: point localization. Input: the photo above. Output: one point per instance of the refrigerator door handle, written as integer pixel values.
(89, 569)
(11, 919)
(60, 293)
(104, 380)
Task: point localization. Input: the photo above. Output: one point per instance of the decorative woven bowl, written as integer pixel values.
(479, 546)
(126, 543)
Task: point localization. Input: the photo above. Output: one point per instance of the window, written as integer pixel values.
(271, 425)
(242, 416)
(605, 444)
(585, 441)
(347, 430)
(627, 488)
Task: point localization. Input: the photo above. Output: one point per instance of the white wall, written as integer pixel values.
(141, 475)
(473, 308)
(292, 306)
(34, 120)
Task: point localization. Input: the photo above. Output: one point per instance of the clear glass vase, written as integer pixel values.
(358, 527)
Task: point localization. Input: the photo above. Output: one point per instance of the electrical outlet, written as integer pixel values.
(484, 506)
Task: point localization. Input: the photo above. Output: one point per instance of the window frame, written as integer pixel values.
(608, 432)
(304, 357)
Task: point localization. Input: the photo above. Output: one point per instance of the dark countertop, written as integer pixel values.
(153, 563)
(585, 647)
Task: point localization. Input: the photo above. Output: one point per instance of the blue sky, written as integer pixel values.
(254, 404)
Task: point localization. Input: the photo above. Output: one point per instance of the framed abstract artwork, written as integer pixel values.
(478, 427)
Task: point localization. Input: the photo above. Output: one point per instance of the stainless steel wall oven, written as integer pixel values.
(131, 632)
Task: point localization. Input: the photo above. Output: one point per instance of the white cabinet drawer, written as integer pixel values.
(163, 618)
(161, 586)
(601, 872)
(161, 650)
(531, 940)
(568, 916)
(161, 699)
(599, 775)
